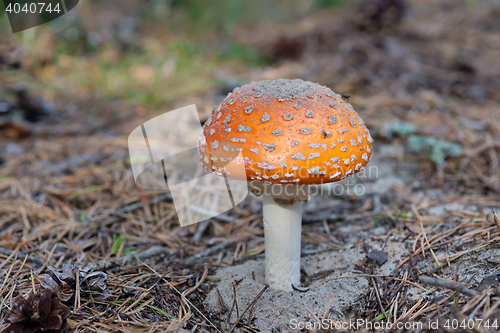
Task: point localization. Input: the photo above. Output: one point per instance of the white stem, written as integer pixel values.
(282, 230)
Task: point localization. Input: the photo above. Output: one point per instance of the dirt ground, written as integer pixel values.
(427, 83)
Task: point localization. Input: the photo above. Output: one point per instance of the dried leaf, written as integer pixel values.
(63, 284)
(64, 292)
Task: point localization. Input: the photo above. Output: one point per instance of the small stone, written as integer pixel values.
(380, 257)
(305, 131)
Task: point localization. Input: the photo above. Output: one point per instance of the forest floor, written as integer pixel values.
(428, 87)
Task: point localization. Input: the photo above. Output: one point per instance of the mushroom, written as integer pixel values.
(288, 134)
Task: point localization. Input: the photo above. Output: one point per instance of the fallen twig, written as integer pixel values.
(248, 307)
(455, 286)
(209, 251)
(31, 259)
(71, 162)
(137, 205)
(129, 259)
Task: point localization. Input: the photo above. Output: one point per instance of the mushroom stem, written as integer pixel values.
(282, 230)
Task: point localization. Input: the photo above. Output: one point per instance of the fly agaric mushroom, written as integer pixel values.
(288, 134)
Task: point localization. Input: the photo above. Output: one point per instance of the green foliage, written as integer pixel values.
(186, 49)
(246, 54)
(406, 215)
(219, 15)
(199, 17)
(331, 3)
(387, 314)
(84, 218)
(399, 128)
(437, 149)
(117, 242)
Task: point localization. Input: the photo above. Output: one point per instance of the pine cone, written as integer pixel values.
(38, 313)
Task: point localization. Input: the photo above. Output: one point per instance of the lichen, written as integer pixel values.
(399, 128)
(437, 149)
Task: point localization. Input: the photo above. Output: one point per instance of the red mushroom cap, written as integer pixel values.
(288, 131)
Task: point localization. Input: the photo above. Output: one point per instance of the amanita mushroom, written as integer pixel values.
(288, 134)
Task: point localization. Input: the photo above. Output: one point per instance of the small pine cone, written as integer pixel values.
(38, 313)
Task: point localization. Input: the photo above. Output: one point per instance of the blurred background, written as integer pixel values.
(424, 75)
